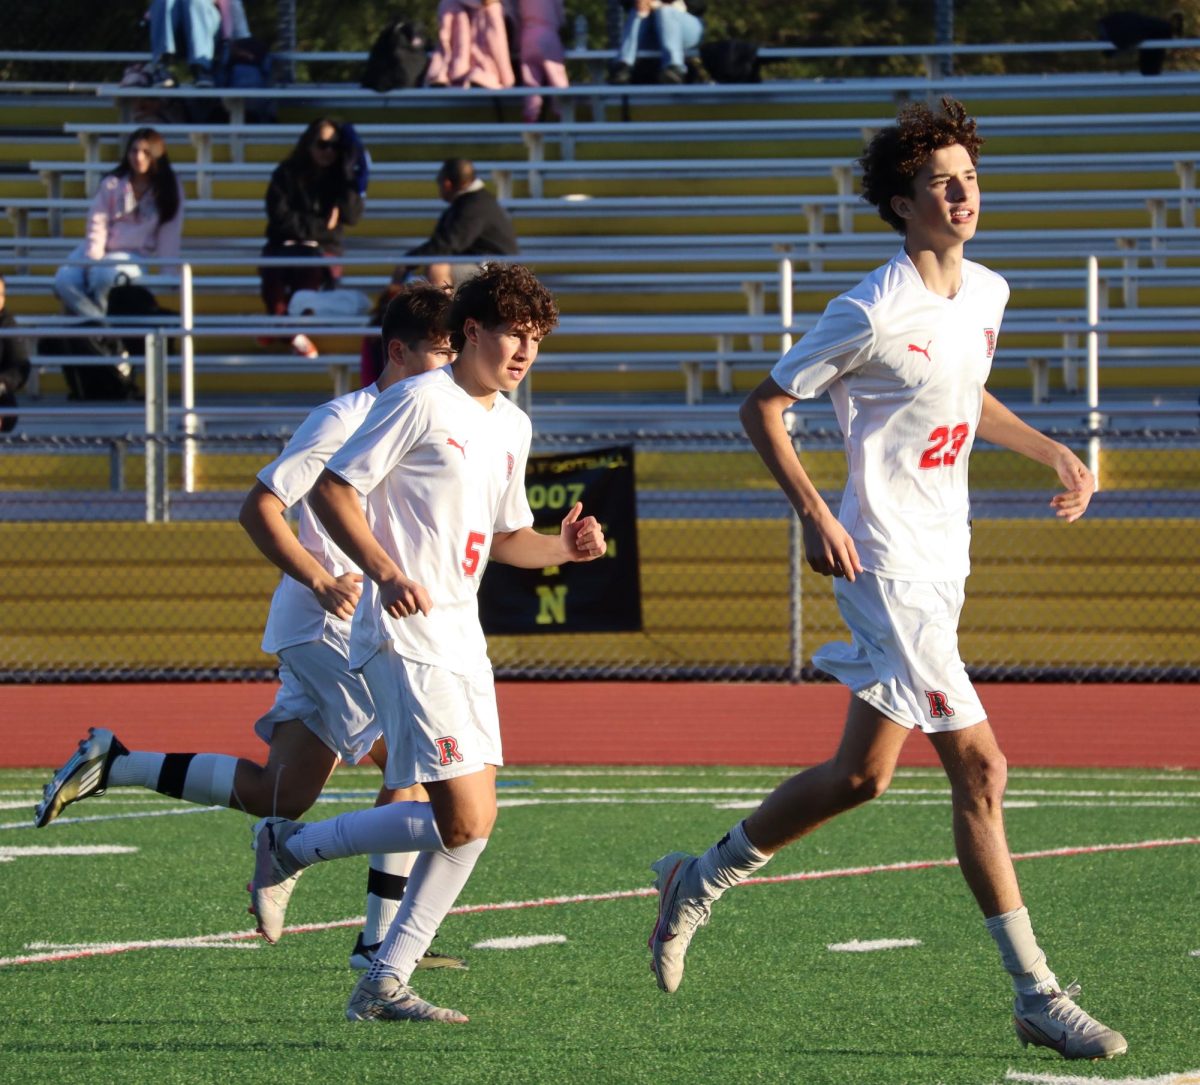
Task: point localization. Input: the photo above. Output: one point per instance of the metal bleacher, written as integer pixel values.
(672, 234)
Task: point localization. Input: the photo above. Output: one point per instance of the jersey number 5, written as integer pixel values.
(937, 455)
(474, 552)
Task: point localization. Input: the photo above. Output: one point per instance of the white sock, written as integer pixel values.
(399, 826)
(387, 879)
(1020, 953)
(730, 861)
(209, 779)
(137, 768)
(204, 778)
(437, 879)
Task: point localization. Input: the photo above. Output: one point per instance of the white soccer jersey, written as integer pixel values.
(296, 616)
(441, 473)
(905, 369)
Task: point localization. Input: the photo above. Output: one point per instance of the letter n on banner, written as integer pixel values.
(601, 596)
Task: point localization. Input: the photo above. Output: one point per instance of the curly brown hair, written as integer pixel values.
(502, 294)
(896, 154)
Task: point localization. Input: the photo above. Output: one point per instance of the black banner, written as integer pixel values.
(601, 596)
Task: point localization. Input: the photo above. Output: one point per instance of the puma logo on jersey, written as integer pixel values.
(462, 448)
(921, 350)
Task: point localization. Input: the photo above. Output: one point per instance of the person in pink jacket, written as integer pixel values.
(472, 46)
(542, 53)
(136, 217)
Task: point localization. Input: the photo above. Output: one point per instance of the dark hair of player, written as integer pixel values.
(896, 154)
(416, 311)
(502, 294)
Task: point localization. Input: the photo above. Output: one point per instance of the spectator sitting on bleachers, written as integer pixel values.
(14, 365)
(137, 214)
(314, 193)
(199, 23)
(542, 54)
(472, 46)
(473, 224)
(666, 25)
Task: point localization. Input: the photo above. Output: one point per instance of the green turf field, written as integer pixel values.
(765, 999)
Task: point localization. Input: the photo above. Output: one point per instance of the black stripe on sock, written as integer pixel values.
(173, 773)
(384, 885)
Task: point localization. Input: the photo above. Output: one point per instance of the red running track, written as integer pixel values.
(628, 723)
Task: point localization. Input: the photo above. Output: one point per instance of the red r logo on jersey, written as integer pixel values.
(462, 448)
(447, 750)
(989, 338)
(939, 707)
(512, 463)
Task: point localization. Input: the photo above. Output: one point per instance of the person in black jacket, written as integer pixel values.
(473, 224)
(14, 364)
(314, 193)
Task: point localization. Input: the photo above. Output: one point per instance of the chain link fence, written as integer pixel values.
(92, 591)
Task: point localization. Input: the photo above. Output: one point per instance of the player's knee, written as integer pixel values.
(984, 782)
(864, 784)
(466, 826)
(465, 833)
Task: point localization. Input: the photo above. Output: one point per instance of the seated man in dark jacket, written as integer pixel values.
(14, 364)
(474, 224)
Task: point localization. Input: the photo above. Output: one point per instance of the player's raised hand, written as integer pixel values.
(828, 546)
(402, 598)
(1079, 482)
(340, 596)
(583, 538)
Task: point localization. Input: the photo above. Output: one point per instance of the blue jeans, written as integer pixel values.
(196, 22)
(672, 31)
(83, 288)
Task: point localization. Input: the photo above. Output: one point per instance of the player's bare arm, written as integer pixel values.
(262, 517)
(580, 538)
(999, 426)
(337, 506)
(828, 547)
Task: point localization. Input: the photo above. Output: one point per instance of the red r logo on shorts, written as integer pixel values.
(938, 705)
(448, 750)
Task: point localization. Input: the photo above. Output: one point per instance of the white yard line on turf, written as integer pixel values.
(521, 941)
(7, 854)
(1185, 1077)
(617, 894)
(117, 817)
(872, 945)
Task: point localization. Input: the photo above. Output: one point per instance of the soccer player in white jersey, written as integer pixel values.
(441, 460)
(323, 711)
(904, 356)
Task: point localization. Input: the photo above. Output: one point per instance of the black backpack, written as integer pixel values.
(129, 300)
(398, 58)
(731, 60)
(93, 382)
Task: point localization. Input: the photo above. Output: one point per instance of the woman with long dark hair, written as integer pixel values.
(313, 194)
(135, 217)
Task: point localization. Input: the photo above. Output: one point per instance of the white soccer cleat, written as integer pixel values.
(680, 913)
(275, 876)
(363, 956)
(1058, 1023)
(388, 999)
(84, 774)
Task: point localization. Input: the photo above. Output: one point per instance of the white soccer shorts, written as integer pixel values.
(903, 655)
(438, 724)
(317, 687)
